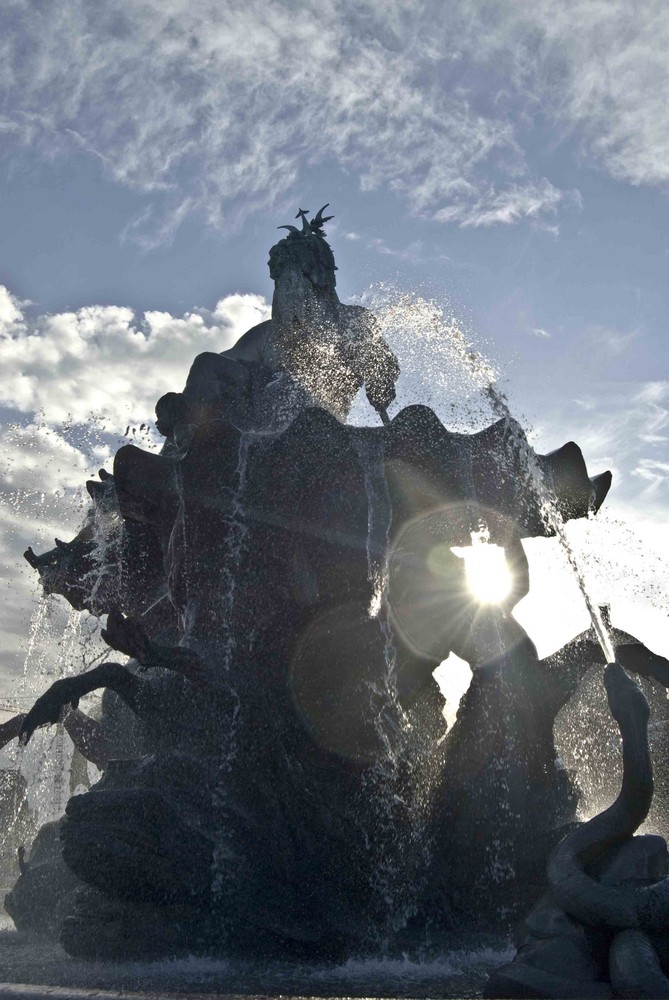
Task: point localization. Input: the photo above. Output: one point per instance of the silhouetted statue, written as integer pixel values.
(314, 351)
(285, 598)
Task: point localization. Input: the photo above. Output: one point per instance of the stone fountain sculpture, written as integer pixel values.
(600, 928)
(278, 778)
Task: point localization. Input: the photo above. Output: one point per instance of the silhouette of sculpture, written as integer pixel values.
(285, 587)
(314, 351)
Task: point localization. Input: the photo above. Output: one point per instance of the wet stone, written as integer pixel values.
(555, 955)
(517, 980)
(547, 920)
(642, 860)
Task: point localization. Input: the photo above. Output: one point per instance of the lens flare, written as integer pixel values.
(488, 576)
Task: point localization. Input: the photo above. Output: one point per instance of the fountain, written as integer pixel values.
(278, 778)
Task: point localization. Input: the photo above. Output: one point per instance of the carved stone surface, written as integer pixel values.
(597, 929)
(43, 894)
(291, 791)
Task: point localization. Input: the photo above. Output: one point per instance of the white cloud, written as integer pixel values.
(103, 364)
(10, 309)
(38, 459)
(537, 331)
(74, 381)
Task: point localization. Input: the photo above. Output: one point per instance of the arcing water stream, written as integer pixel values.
(553, 519)
(435, 351)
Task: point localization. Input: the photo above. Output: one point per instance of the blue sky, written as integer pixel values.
(510, 161)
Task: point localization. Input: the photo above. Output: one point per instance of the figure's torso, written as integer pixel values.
(323, 361)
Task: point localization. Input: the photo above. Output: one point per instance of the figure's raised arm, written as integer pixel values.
(127, 635)
(375, 363)
(46, 711)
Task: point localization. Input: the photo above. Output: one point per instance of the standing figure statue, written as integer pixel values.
(314, 351)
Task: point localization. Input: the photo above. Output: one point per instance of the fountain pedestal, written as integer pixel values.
(292, 590)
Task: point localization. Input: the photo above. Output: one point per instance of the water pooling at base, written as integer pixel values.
(460, 973)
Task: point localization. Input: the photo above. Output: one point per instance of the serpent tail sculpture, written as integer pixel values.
(581, 895)
(600, 930)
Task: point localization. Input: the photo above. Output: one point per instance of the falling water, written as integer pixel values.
(231, 563)
(381, 778)
(106, 557)
(440, 368)
(466, 369)
(400, 843)
(458, 382)
(552, 517)
(55, 649)
(45, 762)
(370, 453)
(237, 534)
(36, 651)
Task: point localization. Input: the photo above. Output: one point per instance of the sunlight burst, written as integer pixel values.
(488, 576)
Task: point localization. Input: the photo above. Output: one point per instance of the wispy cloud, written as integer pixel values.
(616, 82)
(533, 201)
(655, 473)
(413, 252)
(614, 342)
(625, 430)
(220, 107)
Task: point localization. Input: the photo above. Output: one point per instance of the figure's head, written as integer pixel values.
(304, 255)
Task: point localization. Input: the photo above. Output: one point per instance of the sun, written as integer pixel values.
(488, 576)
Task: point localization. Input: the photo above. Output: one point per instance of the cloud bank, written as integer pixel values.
(72, 382)
(217, 107)
(103, 364)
